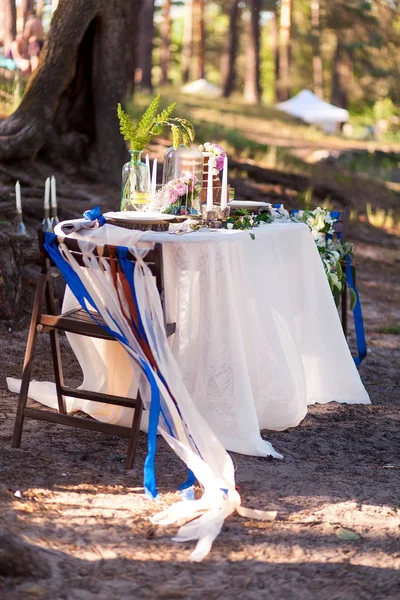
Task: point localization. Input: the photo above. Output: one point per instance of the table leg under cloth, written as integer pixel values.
(258, 336)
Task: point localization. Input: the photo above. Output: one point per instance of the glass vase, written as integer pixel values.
(135, 186)
(182, 180)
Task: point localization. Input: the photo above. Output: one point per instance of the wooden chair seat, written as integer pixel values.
(73, 320)
(79, 322)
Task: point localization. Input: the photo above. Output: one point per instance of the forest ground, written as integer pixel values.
(87, 519)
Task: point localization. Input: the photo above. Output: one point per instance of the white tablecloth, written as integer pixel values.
(258, 336)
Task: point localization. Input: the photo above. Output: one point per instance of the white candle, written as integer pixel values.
(18, 202)
(148, 169)
(53, 192)
(47, 193)
(210, 200)
(224, 191)
(154, 177)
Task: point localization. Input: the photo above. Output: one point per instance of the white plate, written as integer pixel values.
(138, 217)
(248, 204)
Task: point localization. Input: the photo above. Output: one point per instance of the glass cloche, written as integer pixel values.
(182, 177)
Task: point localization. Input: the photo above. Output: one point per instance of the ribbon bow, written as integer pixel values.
(95, 214)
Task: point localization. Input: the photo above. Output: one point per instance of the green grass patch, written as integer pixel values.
(391, 329)
(241, 129)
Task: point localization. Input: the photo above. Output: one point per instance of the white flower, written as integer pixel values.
(319, 237)
(335, 281)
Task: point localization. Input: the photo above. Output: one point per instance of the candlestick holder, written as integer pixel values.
(19, 224)
(215, 218)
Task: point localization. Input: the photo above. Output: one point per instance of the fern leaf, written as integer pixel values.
(186, 139)
(126, 126)
(146, 122)
(176, 136)
(188, 126)
(164, 115)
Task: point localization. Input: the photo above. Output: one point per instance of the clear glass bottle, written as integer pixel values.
(135, 187)
(182, 176)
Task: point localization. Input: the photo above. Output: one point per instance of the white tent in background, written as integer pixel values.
(307, 106)
(202, 87)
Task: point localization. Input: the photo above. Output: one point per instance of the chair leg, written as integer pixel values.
(344, 310)
(133, 440)
(28, 362)
(55, 349)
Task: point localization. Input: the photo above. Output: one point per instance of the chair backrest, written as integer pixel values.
(340, 225)
(153, 258)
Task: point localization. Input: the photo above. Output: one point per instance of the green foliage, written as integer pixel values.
(353, 298)
(390, 329)
(152, 123)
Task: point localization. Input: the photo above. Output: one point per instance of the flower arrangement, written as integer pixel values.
(151, 123)
(183, 195)
(332, 252)
(217, 155)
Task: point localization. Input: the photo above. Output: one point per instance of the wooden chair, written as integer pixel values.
(76, 321)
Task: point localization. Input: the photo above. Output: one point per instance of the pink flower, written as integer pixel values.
(181, 189)
(173, 196)
(190, 177)
(219, 163)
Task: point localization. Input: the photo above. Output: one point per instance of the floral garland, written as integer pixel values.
(321, 223)
(217, 155)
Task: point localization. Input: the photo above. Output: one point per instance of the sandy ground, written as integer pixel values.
(88, 519)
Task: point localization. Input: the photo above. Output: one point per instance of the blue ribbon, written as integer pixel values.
(358, 317)
(84, 298)
(95, 214)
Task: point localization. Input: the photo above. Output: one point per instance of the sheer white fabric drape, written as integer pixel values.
(258, 335)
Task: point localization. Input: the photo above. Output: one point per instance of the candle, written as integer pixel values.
(47, 193)
(18, 197)
(210, 185)
(154, 177)
(224, 191)
(148, 169)
(53, 192)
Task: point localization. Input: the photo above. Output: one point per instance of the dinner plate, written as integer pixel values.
(247, 204)
(138, 217)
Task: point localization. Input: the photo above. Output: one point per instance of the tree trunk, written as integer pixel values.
(187, 41)
(199, 37)
(165, 41)
(342, 74)
(10, 274)
(27, 6)
(284, 50)
(68, 112)
(145, 45)
(275, 51)
(317, 59)
(10, 24)
(228, 66)
(252, 84)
